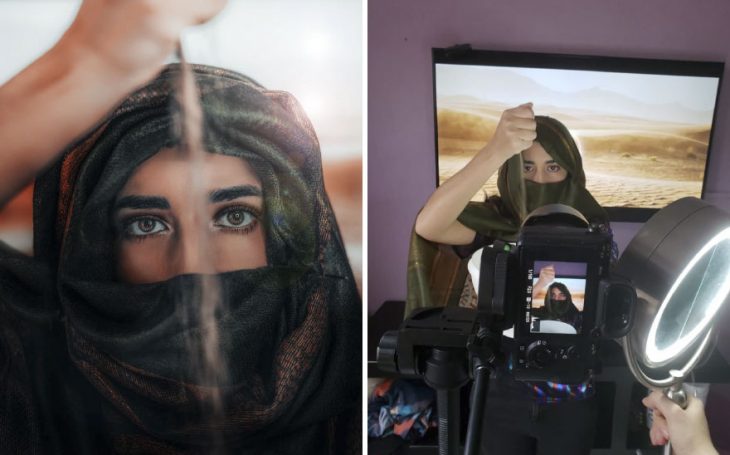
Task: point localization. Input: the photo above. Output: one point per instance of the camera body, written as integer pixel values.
(555, 289)
(556, 321)
(549, 343)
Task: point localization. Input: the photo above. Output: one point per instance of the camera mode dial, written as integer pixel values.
(539, 354)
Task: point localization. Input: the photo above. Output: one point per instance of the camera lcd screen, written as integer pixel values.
(557, 297)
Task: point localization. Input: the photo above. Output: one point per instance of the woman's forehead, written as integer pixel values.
(536, 153)
(170, 170)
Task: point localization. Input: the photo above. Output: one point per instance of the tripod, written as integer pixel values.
(447, 371)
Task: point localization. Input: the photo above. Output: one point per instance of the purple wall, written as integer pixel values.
(401, 33)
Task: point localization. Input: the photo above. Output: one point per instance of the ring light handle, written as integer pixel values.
(676, 391)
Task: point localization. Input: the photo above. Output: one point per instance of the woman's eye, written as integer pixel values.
(236, 218)
(554, 168)
(527, 168)
(142, 227)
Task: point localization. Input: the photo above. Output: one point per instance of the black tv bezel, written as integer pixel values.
(465, 55)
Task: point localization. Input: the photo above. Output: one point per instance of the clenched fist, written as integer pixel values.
(134, 37)
(515, 131)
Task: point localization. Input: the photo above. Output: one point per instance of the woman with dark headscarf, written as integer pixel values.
(100, 333)
(559, 303)
(538, 163)
(558, 306)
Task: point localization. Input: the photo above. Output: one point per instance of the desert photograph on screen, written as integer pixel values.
(643, 138)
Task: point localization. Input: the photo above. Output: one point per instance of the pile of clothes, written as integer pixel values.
(401, 407)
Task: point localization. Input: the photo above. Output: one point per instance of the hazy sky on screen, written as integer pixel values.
(312, 49)
(575, 89)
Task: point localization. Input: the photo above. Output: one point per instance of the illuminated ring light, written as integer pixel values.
(667, 262)
(656, 355)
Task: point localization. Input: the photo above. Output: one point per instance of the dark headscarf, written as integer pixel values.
(436, 275)
(561, 310)
(116, 357)
(557, 308)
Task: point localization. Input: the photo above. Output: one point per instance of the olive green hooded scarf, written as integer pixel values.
(436, 274)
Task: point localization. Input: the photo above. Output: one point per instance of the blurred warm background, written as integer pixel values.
(312, 49)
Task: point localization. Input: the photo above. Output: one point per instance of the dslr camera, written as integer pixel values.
(555, 290)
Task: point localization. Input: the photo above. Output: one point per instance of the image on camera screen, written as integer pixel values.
(558, 294)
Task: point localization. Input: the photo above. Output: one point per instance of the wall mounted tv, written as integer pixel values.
(644, 126)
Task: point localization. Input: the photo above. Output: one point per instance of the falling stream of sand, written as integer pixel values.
(205, 355)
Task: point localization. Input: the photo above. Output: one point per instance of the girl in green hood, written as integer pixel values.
(538, 163)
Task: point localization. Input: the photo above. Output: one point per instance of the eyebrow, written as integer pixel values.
(532, 162)
(158, 202)
(142, 202)
(234, 192)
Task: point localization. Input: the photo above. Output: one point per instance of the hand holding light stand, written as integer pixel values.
(680, 264)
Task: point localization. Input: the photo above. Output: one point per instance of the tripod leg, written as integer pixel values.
(448, 406)
(478, 405)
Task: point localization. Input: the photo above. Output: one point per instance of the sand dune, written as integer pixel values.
(616, 191)
(466, 125)
(610, 190)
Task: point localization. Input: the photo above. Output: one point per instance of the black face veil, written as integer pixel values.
(289, 330)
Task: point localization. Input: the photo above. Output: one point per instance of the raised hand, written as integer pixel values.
(438, 218)
(515, 131)
(111, 48)
(546, 276)
(134, 37)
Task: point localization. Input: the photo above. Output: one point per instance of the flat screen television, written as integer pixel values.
(644, 127)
